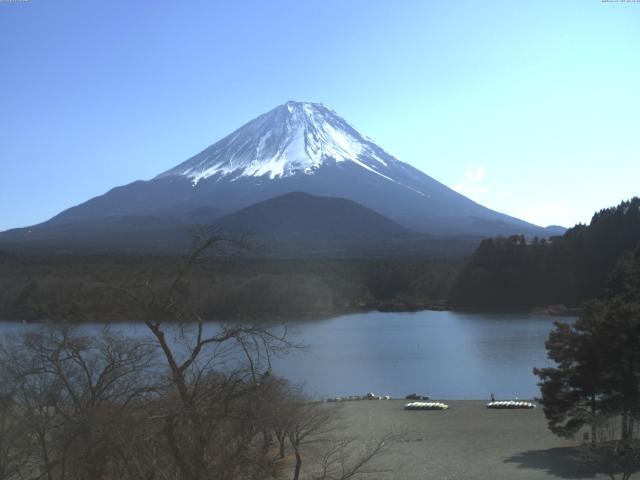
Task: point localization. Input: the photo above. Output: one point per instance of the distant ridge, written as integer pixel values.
(292, 225)
(302, 215)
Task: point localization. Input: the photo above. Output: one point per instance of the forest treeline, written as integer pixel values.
(504, 274)
(80, 288)
(519, 274)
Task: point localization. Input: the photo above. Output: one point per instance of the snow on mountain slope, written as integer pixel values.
(300, 147)
(292, 139)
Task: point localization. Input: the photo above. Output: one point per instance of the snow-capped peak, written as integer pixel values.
(294, 138)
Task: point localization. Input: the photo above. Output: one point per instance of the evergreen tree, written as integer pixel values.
(511, 274)
(597, 373)
(573, 391)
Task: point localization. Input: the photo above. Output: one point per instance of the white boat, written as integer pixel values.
(426, 406)
(510, 404)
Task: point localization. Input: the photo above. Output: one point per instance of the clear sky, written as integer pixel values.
(531, 107)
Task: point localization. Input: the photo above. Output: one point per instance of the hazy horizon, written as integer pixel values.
(530, 110)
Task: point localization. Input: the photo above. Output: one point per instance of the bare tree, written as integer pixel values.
(186, 401)
(347, 457)
(12, 437)
(214, 373)
(310, 423)
(71, 393)
(315, 429)
(276, 414)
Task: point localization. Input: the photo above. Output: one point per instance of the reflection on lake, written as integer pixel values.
(442, 354)
(445, 355)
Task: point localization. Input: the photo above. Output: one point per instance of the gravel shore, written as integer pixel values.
(467, 441)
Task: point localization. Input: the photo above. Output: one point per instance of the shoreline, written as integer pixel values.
(548, 311)
(465, 442)
(431, 399)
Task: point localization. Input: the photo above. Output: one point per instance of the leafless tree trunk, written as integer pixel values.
(309, 423)
(213, 376)
(12, 438)
(71, 391)
(188, 401)
(344, 459)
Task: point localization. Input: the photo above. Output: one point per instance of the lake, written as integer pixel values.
(447, 355)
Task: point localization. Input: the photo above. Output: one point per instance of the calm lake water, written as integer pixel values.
(445, 355)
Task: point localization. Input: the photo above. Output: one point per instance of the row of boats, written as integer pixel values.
(510, 404)
(422, 405)
(351, 398)
(426, 406)
(503, 404)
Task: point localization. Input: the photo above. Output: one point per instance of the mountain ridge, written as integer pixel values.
(301, 214)
(300, 147)
(292, 225)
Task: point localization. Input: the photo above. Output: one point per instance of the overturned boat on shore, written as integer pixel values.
(510, 404)
(426, 406)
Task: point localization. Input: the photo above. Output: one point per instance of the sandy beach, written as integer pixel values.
(467, 441)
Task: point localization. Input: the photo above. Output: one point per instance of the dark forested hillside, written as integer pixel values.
(516, 274)
(80, 288)
(293, 225)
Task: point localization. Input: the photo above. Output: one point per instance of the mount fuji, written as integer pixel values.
(296, 147)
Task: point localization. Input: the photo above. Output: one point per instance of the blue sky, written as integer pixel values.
(530, 108)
